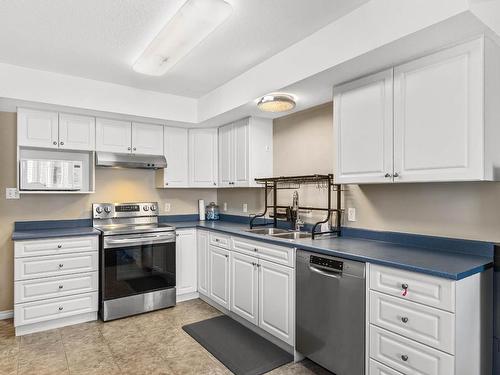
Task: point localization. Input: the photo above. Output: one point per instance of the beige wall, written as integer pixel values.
(118, 185)
(303, 144)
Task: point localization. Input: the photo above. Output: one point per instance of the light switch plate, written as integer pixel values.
(351, 214)
(11, 193)
(225, 206)
(245, 207)
(167, 207)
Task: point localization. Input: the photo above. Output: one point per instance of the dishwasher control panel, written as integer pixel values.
(326, 263)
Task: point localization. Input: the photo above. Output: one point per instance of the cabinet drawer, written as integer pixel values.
(262, 250)
(429, 290)
(54, 265)
(34, 312)
(221, 240)
(377, 368)
(51, 287)
(408, 356)
(55, 246)
(418, 322)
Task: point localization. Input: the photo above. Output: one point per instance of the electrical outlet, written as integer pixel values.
(351, 214)
(245, 207)
(167, 207)
(11, 193)
(225, 206)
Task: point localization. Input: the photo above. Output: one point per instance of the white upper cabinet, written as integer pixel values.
(37, 128)
(438, 116)
(76, 132)
(147, 139)
(175, 142)
(245, 152)
(113, 135)
(446, 114)
(363, 129)
(203, 163)
(47, 129)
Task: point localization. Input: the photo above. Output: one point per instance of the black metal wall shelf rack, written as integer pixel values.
(273, 184)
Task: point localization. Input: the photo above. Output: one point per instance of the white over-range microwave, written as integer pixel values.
(42, 174)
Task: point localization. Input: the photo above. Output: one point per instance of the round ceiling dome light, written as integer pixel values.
(276, 103)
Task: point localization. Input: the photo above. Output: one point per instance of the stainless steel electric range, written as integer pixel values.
(137, 259)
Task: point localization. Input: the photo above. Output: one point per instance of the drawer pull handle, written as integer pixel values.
(60, 308)
(61, 286)
(59, 246)
(404, 319)
(404, 358)
(405, 289)
(61, 265)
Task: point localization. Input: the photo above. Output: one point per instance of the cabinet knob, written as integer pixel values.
(217, 240)
(404, 358)
(227, 256)
(404, 319)
(128, 148)
(59, 246)
(60, 308)
(54, 143)
(61, 286)
(61, 265)
(215, 184)
(61, 143)
(254, 249)
(405, 289)
(387, 175)
(396, 175)
(134, 149)
(166, 183)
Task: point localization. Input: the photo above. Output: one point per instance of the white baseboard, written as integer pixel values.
(8, 314)
(187, 296)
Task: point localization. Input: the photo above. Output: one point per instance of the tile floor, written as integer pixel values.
(152, 343)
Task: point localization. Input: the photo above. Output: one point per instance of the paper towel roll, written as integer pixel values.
(201, 209)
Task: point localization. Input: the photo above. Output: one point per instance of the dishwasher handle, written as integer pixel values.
(322, 272)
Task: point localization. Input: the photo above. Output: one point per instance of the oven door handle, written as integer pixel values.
(144, 240)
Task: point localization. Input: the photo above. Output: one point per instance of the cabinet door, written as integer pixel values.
(438, 119)
(176, 153)
(240, 153)
(363, 122)
(203, 157)
(113, 136)
(76, 132)
(185, 261)
(147, 139)
(244, 286)
(226, 155)
(276, 300)
(37, 128)
(219, 276)
(202, 246)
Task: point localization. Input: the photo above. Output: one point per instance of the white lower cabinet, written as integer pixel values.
(276, 300)
(202, 237)
(55, 282)
(236, 274)
(245, 286)
(185, 261)
(218, 260)
(426, 325)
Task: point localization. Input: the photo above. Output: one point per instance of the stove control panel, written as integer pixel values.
(123, 210)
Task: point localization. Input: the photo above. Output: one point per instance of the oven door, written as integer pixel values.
(137, 264)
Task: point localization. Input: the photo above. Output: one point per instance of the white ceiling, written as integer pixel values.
(100, 39)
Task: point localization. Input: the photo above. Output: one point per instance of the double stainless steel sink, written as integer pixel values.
(280, 233)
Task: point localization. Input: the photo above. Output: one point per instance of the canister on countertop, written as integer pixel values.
(212, 211)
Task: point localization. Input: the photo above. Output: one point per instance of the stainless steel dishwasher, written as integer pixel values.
(330, 306)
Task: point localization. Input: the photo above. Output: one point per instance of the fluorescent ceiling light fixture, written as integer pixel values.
(194, 21)
(276, 103)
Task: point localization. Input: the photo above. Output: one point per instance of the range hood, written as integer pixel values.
(111, 159)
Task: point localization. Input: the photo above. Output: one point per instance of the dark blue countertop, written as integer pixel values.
(434, 262)
(20, 235)
(437, 261)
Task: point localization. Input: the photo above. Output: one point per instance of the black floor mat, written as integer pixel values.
(241, 350)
